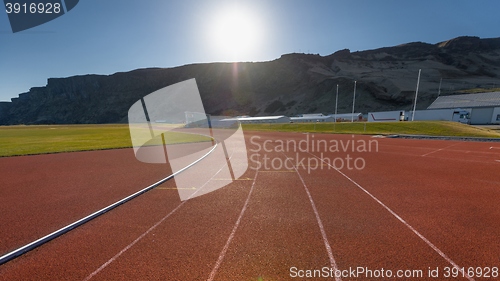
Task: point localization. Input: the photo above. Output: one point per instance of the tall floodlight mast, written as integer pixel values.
(439, 91)
(336, 102)
(416, 95)
(353, 102)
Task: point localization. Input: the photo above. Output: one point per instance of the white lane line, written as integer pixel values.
(494, 147)
(436, 249)
(333, 263)
(233, 232)
(441, 149)
(28, 247)
(497, 160)
(133, 243)
(149, 230)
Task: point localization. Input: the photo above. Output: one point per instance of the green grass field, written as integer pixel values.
(430, 128)
(28, 140)
(479, 90)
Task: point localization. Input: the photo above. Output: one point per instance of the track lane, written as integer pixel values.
(453, 204)
(128, 221)
(279, 231)
(459, 220)
(187, 244)
(43, 193)
(436, 261)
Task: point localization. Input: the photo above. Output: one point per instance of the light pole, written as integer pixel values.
(353, 102)
(439, 91)
(416, 95)
(336, 102)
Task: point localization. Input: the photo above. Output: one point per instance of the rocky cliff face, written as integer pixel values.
(293, 84)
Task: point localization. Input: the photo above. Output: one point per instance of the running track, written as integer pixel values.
(417, 204)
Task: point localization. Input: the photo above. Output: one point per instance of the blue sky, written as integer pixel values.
(108, 36)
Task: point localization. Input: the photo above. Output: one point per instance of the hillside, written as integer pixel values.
(292, 84)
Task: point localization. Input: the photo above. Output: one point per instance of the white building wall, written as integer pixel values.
(495, 119)
(261, 120)
(481, 115)
(310, 119)
(283, 119)
(385, 116)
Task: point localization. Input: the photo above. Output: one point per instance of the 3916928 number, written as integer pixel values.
(479, 272)
(33, 8)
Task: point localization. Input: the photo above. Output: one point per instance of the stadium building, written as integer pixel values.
(484, 108)
(258, 119)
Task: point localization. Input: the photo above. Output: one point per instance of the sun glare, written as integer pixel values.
(236, 34)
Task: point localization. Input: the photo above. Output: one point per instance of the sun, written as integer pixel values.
(236, 34)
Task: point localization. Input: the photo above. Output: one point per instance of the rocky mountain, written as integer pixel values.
(293, 84)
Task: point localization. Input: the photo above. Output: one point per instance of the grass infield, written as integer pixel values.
(429, 128)
(29, 140)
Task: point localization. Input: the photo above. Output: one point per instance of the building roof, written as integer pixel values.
(310, 117)
(258, 118)
(340, 115)
(465, 101)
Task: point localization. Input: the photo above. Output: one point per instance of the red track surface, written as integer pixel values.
(40, 194)
(417, 204)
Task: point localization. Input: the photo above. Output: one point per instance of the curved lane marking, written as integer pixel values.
(28, 247)
(157, 223)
